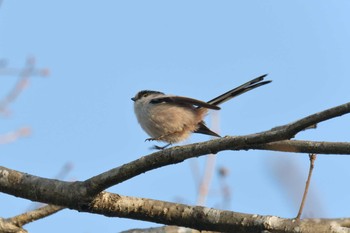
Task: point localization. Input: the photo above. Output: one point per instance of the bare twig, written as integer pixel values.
(209, 169)
(33, 215)
(288, 173)
(302, 146)
(14, 135)
(312, 162)
(204, 186)
(15, 224)
(225, 188)
(22, 82)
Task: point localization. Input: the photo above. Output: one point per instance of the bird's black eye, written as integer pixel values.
(145, 94)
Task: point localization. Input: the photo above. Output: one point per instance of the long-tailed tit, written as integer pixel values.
(171, 118)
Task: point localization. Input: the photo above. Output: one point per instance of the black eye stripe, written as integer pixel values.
(146, 93)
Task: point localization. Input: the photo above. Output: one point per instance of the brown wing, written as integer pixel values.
(183, 100)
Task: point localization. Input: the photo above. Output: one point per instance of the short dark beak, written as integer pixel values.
(133, 99)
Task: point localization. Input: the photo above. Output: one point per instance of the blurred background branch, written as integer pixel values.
(24, 74)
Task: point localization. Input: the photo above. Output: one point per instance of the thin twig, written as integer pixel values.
(204, 186)
(14, 135)
(22, 82)
(33, 215)
(289, 175)
(209, 169)
(303, 146)
(312, 158)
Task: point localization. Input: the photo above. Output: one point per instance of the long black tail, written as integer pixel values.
(257, 82)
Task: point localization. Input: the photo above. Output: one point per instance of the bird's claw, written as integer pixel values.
(155, 147)
(150, 139)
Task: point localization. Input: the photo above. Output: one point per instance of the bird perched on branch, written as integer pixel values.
(171, 118)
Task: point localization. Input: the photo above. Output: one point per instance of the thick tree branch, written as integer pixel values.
(196, 217)
(166, 229)
(175, 155)
(84, 196)
(41, 189)
(202, 218)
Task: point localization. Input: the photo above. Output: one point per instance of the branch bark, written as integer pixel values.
(202, 218)
(299, 146)
(86, 196)
(30, 216)
(15, 224)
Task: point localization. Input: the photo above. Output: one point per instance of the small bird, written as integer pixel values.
(171, 118)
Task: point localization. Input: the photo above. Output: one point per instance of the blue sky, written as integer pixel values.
(100, 55)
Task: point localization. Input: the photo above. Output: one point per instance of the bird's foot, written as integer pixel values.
(160, 138)
(150, 139)
(155, 147)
